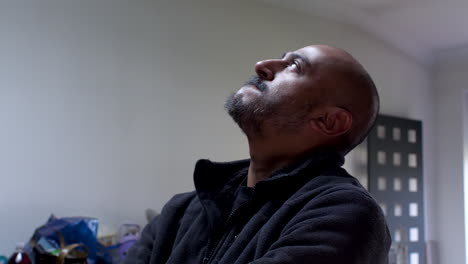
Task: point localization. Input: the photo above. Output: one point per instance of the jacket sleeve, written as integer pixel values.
(339, 226)
(140, 253)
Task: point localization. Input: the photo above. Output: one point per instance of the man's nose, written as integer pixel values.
(267, 69)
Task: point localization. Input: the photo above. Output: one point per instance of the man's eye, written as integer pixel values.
(295, 64)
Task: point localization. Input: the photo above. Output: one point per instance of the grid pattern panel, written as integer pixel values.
(395, 181)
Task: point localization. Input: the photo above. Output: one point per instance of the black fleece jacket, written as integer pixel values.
(313, 212)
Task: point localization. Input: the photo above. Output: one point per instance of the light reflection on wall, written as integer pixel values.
(356, 163)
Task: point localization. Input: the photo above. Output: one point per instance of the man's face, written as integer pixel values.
(280, 96)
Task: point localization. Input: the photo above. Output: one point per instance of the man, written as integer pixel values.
(291, 202)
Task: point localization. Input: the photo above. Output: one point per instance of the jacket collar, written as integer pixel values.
(216, 182)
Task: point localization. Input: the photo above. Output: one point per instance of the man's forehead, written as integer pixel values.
(311, 52)
(310, 55)
(321, 53)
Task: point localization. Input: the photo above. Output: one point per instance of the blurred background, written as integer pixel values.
(105, 105)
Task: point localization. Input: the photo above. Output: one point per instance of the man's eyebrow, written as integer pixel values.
(296, 55)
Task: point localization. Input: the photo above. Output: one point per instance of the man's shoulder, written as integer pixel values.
(182, 200)
(180, 205)
(337, 187)
(342, 198)
(336, 178)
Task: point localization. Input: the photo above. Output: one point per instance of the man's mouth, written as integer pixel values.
(256, 82)
(252, 85)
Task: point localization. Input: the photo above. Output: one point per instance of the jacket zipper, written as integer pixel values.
(210, 249)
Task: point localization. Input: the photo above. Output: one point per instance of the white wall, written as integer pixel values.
(106, 105)
(451, 83)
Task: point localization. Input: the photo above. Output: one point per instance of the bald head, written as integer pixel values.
(346, 84)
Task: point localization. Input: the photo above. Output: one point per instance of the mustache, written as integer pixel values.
(257, 82)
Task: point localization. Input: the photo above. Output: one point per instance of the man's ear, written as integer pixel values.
(331, 121)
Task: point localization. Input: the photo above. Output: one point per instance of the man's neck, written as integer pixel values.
(267, 157)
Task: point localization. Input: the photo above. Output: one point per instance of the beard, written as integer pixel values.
(281, 113)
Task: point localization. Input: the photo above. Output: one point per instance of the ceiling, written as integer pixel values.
(420, 28)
